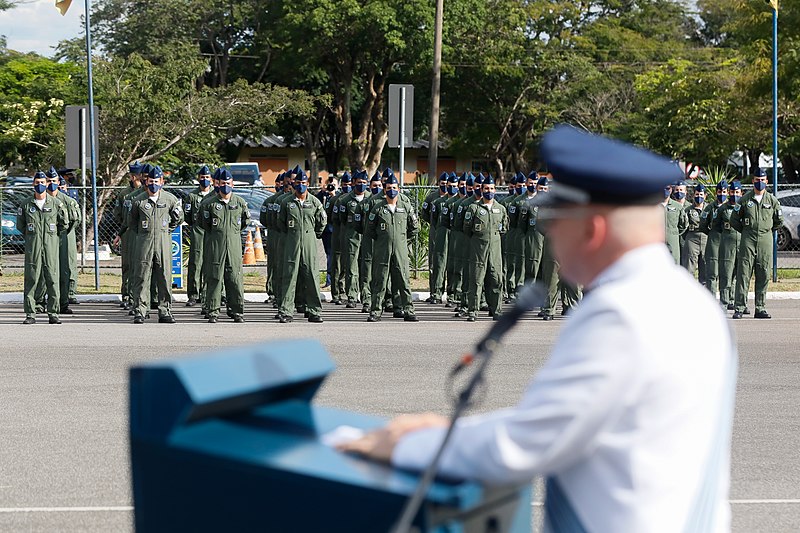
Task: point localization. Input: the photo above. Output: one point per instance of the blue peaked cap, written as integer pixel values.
(722, 185)
(156, 172)
(391, 179)
(135, 168)
(736, 185)
(204, 171)
(589, 168)
(759, 173)
(453, 178)
(346, 177)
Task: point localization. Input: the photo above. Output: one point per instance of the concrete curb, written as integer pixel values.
(259, 297)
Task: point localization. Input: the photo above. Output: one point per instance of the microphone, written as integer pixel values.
(529, 297)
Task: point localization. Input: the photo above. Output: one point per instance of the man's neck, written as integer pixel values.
(531, 194)
(40, 196)
(487, 202)
(225, 197)
(301, 197)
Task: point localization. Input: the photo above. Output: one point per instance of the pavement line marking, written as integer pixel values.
(763, 501)
(124, 509)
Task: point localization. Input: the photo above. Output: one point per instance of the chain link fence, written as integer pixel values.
(11, 251)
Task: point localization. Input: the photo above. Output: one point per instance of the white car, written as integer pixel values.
(789, 234)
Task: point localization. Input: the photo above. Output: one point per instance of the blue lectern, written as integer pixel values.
(230, 442)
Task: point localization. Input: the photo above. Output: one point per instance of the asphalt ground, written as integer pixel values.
(63, 397)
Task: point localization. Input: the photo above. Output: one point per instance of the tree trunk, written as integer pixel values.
(789, 169)
(753, 156)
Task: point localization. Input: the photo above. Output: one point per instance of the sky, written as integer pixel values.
(37, 26)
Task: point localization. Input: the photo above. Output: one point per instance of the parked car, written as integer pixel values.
(789, 234)
(12, 238)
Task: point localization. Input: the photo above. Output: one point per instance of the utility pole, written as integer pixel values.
(433, 149)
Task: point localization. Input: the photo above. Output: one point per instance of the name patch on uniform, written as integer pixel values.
(767, 206)
(232, 207)
(403, 210)
(161, 205)
(164, 222)
(670, 208)
(495, 210)
(47, 210)
(52, 227)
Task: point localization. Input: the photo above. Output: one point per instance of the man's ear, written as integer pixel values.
(596, 228)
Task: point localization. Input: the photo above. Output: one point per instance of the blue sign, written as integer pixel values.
(177, 258)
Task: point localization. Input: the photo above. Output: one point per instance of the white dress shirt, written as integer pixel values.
(631, 419)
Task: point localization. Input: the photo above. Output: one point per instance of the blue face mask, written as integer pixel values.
(477, 193)
(531, 188)
(392, 193)
(759, 185)
(375, 190)
(225, 188)
(512, 191)
(40, 188)
(735, 198)
(153, 187)
(443, 188)
(721, 198)
(301, 187)
(667, 192)
(52, 187)
(360, 188)
(470, 192)
(345, 189)
(679, 195)
(452, 190)
(699, 199)
(488, 195)
(204, 183)
(462, 190)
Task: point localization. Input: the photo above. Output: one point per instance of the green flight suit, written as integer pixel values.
(153, 222)
(533, 241)
(68, 255)
(484, 226)
(425, 214)
(459, 252)
(390, 232)
(676, 223)
(138, 194)
(337, 246)
(196, 282)
(446, 219)
(515, 245)
(439, 270)
(548, 274)
(280, 267)
(353, 253)
(222, 223)
(711, 252)
(41, 229)
(755, 221)
(366, 245)
(41, 288)
(728, 251)
(267, 220)
(120, 213)
(694, 242)
(302, 222)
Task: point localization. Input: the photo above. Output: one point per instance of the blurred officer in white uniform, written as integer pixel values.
(632, 435)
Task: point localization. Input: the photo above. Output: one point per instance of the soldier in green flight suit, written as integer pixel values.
(484, 225)
(728, 245)
(695, 240)
(222, 219)
(390, 224)
(73, 216)
(376, 194)
(279, 235)
(302, 219)
(41, 219)
(446, 218)
(440, 212)
(133, 252)
(153, 218)
(460, 249)
(676, 222)
(337, 241)
(430, 216)
(515, 237)
(123, 238)
(707, 226)
(350, 213)
(196, 283)
(756, 217)
(266, 220)
(68, 254)
(533, 241)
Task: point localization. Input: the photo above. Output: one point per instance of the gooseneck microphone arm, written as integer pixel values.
(530, 296)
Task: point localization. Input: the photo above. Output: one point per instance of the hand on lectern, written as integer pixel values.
(380, 444)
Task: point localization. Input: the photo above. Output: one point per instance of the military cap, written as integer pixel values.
(346, 178)
(51, 172)
(722, 185)
(479, 178)
(489, 180)
(736, 185)
(225, 174)
(204, 171)
(470, 179)
(297, 170)
(543, 181)
(39, 175)
(391, 179)
(156, 172)
(279, 177)
(61, 180)
(699, 188)
(146, 168)
(589, 168)
(301, 177)
(376, 177)
(679, 183)
(443, 176)
(453, 178)
(387, 172)
(759, 173)
(533, 176)
(135, 168)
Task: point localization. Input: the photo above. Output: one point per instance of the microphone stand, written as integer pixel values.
(529, 297)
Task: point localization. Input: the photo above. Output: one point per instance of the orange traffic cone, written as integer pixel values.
(259, 248)
(249, 256)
